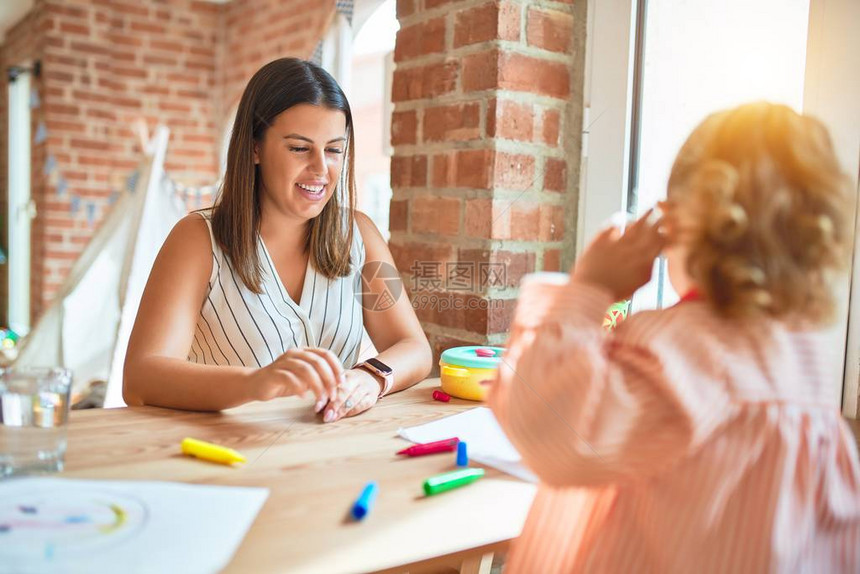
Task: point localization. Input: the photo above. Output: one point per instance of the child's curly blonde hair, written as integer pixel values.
(765, 212)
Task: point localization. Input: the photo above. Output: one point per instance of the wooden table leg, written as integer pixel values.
(477, 564)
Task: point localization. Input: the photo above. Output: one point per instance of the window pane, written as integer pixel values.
(701, 56)
(371, 106)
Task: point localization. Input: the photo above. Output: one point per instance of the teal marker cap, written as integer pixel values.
(451, 480)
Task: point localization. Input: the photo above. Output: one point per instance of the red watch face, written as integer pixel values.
(379, 365)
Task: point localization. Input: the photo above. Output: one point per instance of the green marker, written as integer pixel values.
(451, 480)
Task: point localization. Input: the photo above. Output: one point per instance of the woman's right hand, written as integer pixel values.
(298, 371)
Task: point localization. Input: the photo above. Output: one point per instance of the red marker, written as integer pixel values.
(440, 396)
(485, 352)
(447, 445)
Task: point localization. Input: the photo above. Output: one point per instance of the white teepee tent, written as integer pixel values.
(87, 327)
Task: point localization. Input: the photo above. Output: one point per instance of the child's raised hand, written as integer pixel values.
(621, 262)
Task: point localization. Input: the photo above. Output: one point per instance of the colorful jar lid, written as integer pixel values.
(475, 357)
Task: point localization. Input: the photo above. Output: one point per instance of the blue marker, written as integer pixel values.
(462, 454)
(365, 501)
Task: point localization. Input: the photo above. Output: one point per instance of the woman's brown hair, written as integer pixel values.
(766, 212)
(276, 87)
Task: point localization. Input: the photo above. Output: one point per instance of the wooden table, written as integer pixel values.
(314, 472)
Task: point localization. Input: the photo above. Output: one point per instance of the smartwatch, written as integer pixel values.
(381, 370)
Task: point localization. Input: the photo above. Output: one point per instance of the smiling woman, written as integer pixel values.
(265, 294)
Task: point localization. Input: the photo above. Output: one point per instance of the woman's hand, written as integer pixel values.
(621, 263)
(358, 392)
(298, 371)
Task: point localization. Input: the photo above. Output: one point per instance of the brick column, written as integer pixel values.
(488, 112)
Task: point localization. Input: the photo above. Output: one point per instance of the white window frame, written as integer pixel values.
(606, 117)
(831, 92)
(21, 208)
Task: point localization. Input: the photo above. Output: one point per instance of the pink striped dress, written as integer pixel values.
(680, 443)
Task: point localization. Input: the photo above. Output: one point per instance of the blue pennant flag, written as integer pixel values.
(62, 187)
(114, 195)
(74, 204)
(50, 165)
(131, 182)
(91, 213)
(41, 134)
(35, 102)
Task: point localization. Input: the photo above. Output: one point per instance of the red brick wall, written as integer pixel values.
(488, 108)
(258, 31)
(109, 62)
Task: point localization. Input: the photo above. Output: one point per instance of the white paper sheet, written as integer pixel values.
(487, 444)
(64, 525)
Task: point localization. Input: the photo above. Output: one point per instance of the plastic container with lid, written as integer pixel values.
(463, 368)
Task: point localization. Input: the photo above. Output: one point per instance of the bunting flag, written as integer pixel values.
(194, 195)
(50, 165)
(91, 213)
(35, 101)
(191, 196)
(131, 181)
(41, 134)
(346, 7)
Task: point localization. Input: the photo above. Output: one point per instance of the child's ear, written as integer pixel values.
(256, 153)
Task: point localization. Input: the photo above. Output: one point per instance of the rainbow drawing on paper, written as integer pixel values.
(66, 521)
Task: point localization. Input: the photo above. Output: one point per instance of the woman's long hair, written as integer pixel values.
(276, 87)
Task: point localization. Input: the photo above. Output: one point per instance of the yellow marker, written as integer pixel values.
(209, 451)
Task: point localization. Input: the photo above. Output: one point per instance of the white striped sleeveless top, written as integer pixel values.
(241, 328)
